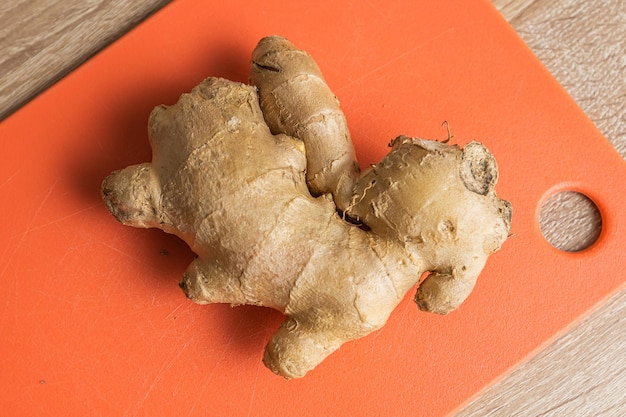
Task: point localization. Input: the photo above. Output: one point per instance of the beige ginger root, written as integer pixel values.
(296, 101)
(229, 178)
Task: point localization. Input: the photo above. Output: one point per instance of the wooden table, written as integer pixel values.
(582, 42)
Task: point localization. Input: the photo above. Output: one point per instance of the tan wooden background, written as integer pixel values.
(583, 44)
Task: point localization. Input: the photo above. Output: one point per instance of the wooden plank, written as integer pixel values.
(43, 40)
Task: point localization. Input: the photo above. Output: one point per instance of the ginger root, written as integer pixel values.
(230, 177)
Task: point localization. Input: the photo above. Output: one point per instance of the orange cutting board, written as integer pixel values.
(91, 317)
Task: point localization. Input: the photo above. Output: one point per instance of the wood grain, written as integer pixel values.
(43, 40)
(582, 42)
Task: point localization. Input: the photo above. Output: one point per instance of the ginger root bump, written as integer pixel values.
(229, 177)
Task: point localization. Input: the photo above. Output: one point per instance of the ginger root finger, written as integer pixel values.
(296, 100)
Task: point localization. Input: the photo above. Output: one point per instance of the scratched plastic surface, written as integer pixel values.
(91, 317)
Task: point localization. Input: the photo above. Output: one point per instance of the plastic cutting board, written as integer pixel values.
(91, 317)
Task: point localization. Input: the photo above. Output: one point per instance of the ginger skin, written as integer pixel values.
(296, 101)
(228, 176)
